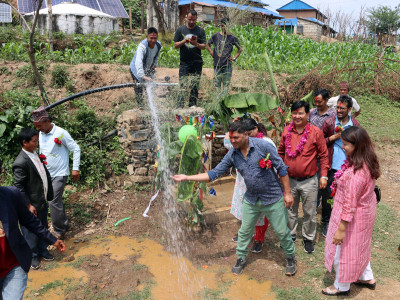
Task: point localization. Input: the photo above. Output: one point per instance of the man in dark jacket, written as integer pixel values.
(33, 180)
(15, 254)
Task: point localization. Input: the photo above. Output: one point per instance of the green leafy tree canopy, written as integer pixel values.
(384, 19)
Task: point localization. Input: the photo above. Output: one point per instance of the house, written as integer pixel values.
(301, 18)
(212, 11)
(76, 16)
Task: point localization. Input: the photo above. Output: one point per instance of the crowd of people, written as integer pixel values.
(39, 182)
(190, 39)
(324, 156)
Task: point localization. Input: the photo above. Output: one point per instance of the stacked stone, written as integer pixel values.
(137, 138)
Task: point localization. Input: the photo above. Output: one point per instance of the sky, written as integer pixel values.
(346, 6)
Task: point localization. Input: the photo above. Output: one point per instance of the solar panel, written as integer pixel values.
(5, 13)
(112, 7)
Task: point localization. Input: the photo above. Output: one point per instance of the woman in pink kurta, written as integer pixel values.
(348, 242)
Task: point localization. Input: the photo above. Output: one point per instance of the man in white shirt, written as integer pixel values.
(33, 180)
(344, 89)
(56, 143)
(145, 61)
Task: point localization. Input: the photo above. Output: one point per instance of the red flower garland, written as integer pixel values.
(300, 145)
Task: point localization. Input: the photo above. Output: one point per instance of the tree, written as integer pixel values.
(384, 20)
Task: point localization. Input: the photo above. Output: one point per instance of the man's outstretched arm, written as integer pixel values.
(197, 177)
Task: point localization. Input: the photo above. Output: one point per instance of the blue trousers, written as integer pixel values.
(12, 287)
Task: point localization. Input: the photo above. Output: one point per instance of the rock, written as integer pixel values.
(130, 169)
(90, 231)
(71, 247)
(140, 172)
(69, 258)
(127, 183)
(220, 151)
(94, 264)
(76, 241)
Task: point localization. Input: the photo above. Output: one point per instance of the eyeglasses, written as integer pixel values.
(341, 108)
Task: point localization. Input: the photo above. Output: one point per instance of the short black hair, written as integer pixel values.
(192, 12)
(248, 124)
(323, 92)
(346, 99)
(299, 104)
(237, 126)
(26, 134)
(151, 30)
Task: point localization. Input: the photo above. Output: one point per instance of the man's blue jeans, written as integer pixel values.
(222, 79)
(12, 287)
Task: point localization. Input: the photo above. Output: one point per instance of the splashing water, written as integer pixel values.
(176, 236)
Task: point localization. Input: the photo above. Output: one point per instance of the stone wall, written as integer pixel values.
(311, 29)
(137, 138)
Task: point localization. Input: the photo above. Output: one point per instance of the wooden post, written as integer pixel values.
(130, 18)
(50, 25)
(142, 18)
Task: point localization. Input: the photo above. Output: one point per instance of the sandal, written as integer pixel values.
(330, 292)
(371, 286)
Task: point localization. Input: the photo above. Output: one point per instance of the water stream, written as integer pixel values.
(171, 223)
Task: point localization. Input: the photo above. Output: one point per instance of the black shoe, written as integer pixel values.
(257, 247)
(238, 268)
(308, 246)
(291, 266)
(47, 256)
(325, 229)
(294, 239)
(235, 238)
(35, 264)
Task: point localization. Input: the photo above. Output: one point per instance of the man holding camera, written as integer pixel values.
(190, 39)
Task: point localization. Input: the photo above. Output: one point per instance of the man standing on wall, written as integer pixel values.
(144, 62)
(190, 39)
(55, 143)
(223, 45)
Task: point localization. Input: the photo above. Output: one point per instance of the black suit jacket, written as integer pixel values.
(12, 213)
(27, 179)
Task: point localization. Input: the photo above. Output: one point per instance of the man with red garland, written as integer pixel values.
(300, 145)
(254, 159)
(332, 129)
(56, 143)
(15, 254)
(33, 180)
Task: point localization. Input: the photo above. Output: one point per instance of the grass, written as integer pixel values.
(379, 116)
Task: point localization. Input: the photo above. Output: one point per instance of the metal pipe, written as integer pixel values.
(107, 88)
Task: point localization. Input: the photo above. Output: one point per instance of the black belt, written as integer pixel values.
(302, 178)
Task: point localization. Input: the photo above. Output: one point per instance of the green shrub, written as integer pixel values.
(26, 74)
(59, 76)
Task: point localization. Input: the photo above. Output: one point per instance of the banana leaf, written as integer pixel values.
(190, 164)
(309, 98)
(250, 102)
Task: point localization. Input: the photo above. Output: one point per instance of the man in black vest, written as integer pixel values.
(190, 39)
(33, 180)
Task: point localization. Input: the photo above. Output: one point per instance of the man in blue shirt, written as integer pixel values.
(264, 191)
(332, 129)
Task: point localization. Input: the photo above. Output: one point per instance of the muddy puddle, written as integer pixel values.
(57, 279)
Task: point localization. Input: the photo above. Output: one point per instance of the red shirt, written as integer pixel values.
(305, 164)
(7, 258)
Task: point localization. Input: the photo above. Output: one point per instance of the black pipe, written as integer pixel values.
(100, 89)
